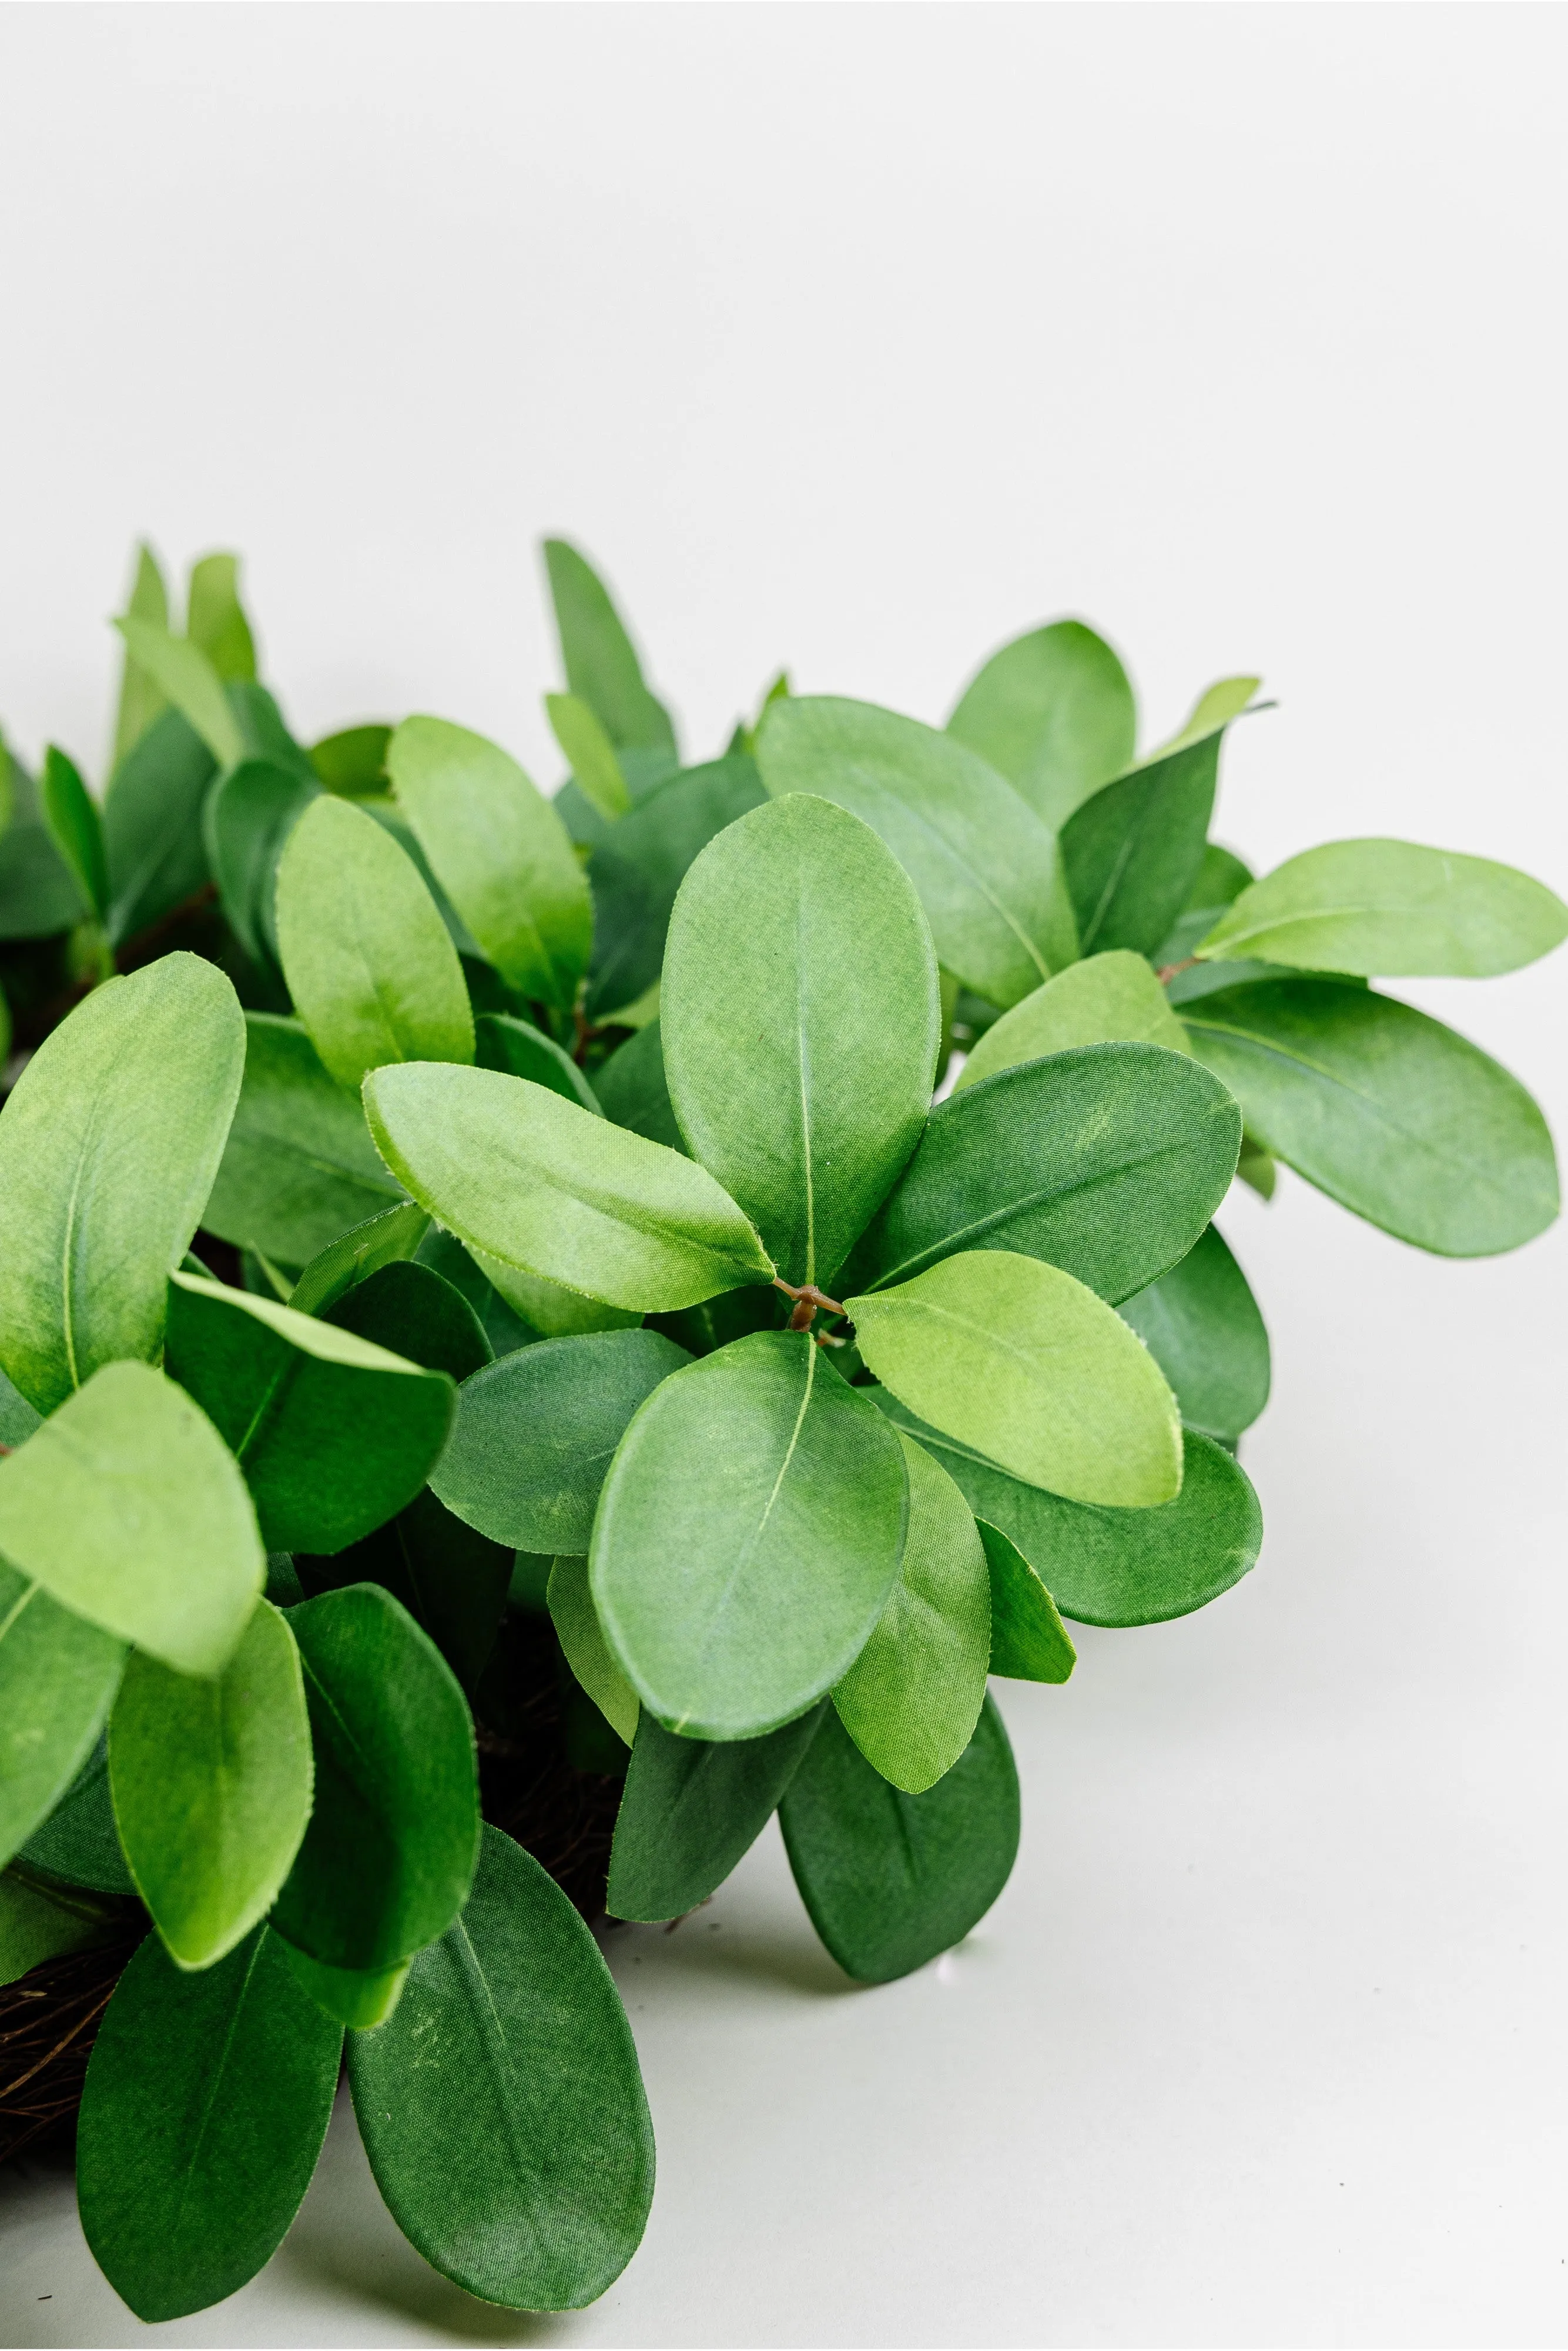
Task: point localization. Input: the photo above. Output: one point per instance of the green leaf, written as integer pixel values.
(550, 1309)
(632, 1090)
(1054, 714)
(246, 821)
(913, 1697)
(128, 1508)
(521, 1050)
(499, 852)
(152, 836)
(1132, 850)
(801, 1020)
(353, 761)
(1014, 1356)
(415, 1313)
(746, 1538)
(1116, 1566)
(387, 1856)
(452, 1580)
(215, 620)
(300, 1170)
(36, 1924)
(1107, 1160)
(891, 1880)
(388, 1238)
(536, 1183)
(445, 1255)
(57, 1676)
(987, 869)
(601, 667)
(590, 754)
(108, 1143)
(691, 1808)
(38, 894)
(361, 1998)
(141, 697)
(370, 965)
(211, 1783)
(1386, 1111)
(501, 2107)
(1105, 999)
(206, 2102)
(1389, 906)
(1221, 877)
(1216, 706)
(78, 1845)
(334, 1434)
(186, 678)
(1201, 1324)
(71, 814)
(1029, 1639)
(635, 872)
(584, 1647)
(536, 1432)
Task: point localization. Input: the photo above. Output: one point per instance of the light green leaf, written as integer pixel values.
(385, 1239)
(589, 753)
(1053, 712)
(300, 1170)
(501, 2107)
(206, 2102)
(1221, 877)
(334, 1434)
(1386, 1111)
(1106, 1160)
(505, 1042)
(799, 1020)
(387, 1856)
(1132, 850)
(211, 1783)
(369, 964)
(37, 1924)
(361, 1998)
(78, 1845)
(913, 1697)
(601, 667)
(534, 1182)
(215, 618)
(128, 1507)
(76, 827)
(108, 1143)
(1115, 1566)
(1201, 1324)
(691, 1808)
(499, 852)
(536, 1433)
(1106, 998)
(1391, 907)
(586, 1651)
(987, 869)
(1016, 1358)
(746, 1538)
(548, 1308)
(1216, 706)
(353, 761)
(891, 1880)
(57, 1674)
(141, 697)
(1029, 1639)
(184, 677)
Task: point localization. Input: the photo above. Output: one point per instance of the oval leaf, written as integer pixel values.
(383, 1240)
(691, 1808)
(1201, 1324)
(584, 1647)
(1054, 714)
(108, 1143)
(538, 1184)
(1106, 999)
(1029, 1639)
(1004, 1352)
(748, 1537)
(57, 1676)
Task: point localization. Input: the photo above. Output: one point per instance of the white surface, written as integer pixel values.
(862, 338)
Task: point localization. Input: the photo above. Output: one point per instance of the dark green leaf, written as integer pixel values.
(246, 821)
(79, 1844)
(1029, 1639)
(71, 814)
(38, 894)
(38, 1923)
(601, 667)
(415, 1312)
(536, 1432)
(585, 1649)
(1054, 714)
(334, 1433)
(632, 1090)
(748, 1538)
(361, 1998)
(153, 824)
(501, 2107)
(691, 1809)
(800, 1021)
(504, 1328)
(389, 1238)
(206, 2102)
(1201, 1324)
(57, 1676)
(390, 1851)
(637, 870)
(505, 1042)
(1108, 1161)
(1132, 850)
(452, 1580)
(1388, 1111)
(891, 1880)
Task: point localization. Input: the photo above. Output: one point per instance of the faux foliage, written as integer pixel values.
(741, 1233)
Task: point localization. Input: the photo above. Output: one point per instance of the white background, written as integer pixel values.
(861, 338)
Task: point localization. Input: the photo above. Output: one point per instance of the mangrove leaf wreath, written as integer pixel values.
(444, 1228)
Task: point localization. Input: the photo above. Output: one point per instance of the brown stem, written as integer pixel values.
(808, 1300)
(1171, 970)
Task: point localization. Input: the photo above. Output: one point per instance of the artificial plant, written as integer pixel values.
(442, 1229)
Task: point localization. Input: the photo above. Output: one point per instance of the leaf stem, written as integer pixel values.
(808, 1298)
